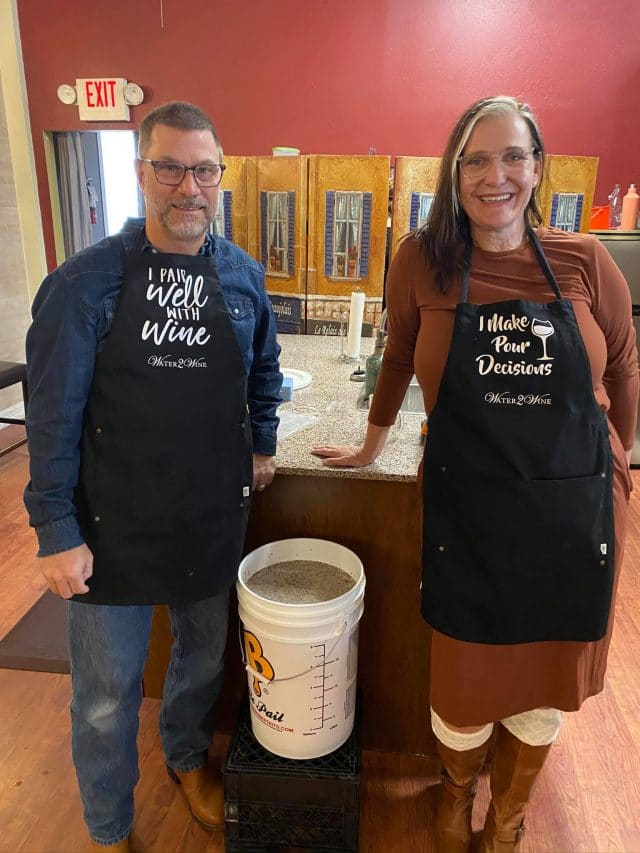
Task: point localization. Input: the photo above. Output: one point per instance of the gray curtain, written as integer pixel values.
(74, 199)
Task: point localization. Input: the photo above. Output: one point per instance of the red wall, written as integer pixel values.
(330, 76)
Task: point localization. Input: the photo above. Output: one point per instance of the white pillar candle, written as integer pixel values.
(354, 334)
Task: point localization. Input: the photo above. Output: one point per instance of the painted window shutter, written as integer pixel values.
(263, 228)
(227, 204)
(415, 211)
(579, 206)
(330, 204)
(291, 226)
(366, 230)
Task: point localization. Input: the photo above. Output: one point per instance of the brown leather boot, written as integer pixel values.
(460, 772)
(120, 847)
(515, 769)
(203, 790)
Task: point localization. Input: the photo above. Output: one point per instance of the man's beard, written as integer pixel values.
(185, 229)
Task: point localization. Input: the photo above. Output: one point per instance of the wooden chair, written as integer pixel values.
(12, 372)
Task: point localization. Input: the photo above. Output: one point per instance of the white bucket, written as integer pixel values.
(301, 659)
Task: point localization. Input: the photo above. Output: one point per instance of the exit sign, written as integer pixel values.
(102, 99)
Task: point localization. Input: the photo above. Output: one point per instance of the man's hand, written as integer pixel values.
(67, 572)
(264, 469)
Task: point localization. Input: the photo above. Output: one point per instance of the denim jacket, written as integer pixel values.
(72, 314)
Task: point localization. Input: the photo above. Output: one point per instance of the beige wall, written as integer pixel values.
(22, 261)
(14, 302)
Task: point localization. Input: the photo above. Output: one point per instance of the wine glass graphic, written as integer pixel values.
(542, 329)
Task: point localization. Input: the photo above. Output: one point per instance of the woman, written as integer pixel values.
(522, 341)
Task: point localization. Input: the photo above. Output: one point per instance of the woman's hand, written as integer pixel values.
(341, 455)
(354, 455)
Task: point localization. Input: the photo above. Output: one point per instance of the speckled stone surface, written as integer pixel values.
(332, 397)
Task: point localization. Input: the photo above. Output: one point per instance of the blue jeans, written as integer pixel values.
(108, 648)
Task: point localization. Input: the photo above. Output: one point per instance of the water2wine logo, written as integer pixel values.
(508, 340)
(180, 363)
(506, 398)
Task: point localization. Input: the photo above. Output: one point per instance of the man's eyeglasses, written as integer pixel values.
(172, 174)
(512, 160)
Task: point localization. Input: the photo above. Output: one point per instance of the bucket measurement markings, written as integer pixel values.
(321, 688)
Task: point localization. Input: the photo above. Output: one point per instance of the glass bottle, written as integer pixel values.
(614, 207)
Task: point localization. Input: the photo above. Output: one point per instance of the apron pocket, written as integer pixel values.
(518, 561)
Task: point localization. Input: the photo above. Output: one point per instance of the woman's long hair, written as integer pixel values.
(447, 230)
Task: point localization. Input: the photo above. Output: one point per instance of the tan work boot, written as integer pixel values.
(460, 772)
(203, 790)
(119, 847)
(515, 770)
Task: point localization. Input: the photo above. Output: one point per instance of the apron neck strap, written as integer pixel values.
(141, 240)
(544, 263)
(540, 256)
(466, 269)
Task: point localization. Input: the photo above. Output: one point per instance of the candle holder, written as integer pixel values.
(358, 374)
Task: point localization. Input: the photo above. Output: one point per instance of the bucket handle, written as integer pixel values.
(264, 680)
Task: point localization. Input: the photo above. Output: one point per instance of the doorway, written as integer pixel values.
(95, 188)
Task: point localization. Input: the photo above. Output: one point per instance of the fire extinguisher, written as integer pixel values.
(93, 202)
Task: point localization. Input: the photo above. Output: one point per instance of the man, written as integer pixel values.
(154, 379)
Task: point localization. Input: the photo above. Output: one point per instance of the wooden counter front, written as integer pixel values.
(380, 522)
(375, 511)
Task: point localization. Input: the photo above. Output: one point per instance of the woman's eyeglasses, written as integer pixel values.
(512, 160)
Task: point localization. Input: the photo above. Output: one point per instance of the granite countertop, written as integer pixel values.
(332, 397)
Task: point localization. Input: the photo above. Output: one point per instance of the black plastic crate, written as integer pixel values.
(276, 803)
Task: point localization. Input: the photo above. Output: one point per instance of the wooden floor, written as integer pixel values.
(587, 801)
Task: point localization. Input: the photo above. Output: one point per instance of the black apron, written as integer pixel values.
(518, 538)
(166, 468)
